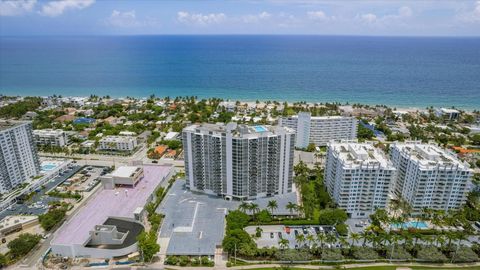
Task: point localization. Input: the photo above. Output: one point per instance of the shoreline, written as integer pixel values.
(405, 108)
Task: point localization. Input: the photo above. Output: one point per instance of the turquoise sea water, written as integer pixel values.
(400, 71)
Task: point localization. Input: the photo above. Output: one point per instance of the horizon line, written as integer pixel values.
(234, 34)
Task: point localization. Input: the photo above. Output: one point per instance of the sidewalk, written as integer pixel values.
(345, 266)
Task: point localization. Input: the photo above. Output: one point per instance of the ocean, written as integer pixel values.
(395, 71)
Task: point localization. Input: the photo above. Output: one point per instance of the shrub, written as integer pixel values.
(431, 254)
(293, 255)
(264, 216)
(365, 253)
(342, 229)
(399, 253)
(332, 255)
(464, 254)
(184, 260)
(229, 264)
(171, 260)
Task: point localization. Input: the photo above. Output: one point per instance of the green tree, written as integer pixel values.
(147, 244)
(272, 205)
(237, 220)
(3, 260)
(332, 216)
(25, 242)
(291, 207)
(51, 218)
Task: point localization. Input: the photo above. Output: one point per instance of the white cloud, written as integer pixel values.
(123, 19)
(255, 18)
(471, 16)
(200, 19)
(371, 18)
(16, 7)
(56, 8)
(319, 15)
(405, 12)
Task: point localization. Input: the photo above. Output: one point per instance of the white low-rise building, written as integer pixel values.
(50, 137)
(118, 143)
(450, 114)
(429, 177)
(320, 129)
(358, 177)
(123, 176)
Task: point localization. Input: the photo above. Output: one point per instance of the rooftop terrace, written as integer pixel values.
(356, 154)
(238, 130)
(428, 155)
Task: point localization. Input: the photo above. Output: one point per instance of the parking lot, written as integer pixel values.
(84, 180)
(272, 234)
(38, 204)
(357, 225)
(194, 223)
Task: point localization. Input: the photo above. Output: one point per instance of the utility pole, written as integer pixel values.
(235, 255)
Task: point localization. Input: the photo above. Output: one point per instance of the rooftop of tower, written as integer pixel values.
(238, 130)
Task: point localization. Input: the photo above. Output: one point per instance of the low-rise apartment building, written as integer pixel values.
(429, 177)
(320, 129)
(50, 137)
(118, 143)
(358, 177)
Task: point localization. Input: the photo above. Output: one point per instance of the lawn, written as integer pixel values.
(377, 268)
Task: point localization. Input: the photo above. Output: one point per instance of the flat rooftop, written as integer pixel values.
(238, 130)
(429, 155)
(194, 223)
(119, 202)
(7, 124)
(356, 154)
(125, 171)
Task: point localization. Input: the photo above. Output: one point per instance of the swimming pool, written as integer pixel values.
(48, 167)
(260, 128)
(410, 224)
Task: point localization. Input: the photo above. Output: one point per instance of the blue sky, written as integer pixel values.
(340, 17)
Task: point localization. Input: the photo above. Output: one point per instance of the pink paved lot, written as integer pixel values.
(120, 202)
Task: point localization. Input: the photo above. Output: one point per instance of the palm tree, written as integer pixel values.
(365, 236)
(253, 207)
(283, 243)
(258, 232)
(244, 206)
(272, 204)
(331, 239)
(321, 238)
(291, 207)
(343, 242)
(440, 240)
(300, 238)
(311, 239)
(355, 238)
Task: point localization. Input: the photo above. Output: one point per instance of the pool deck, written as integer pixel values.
(119, 202)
